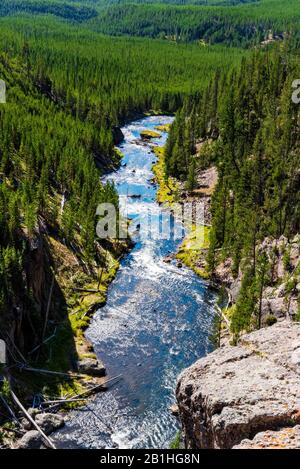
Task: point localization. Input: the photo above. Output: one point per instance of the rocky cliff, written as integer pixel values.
(247, 395)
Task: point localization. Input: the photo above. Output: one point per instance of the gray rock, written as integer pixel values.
(31, 440)
(285, 438)
(26, 424)
(91, 366)
(118, 135)
(280, 292)
(49, 422)
(236, 392)
(33, 412)
(174, 410)
(235, 289)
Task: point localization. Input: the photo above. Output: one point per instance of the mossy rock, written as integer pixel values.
(149, 134)
(163, 127)
(193, 249)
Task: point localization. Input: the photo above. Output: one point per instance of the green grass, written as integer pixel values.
(193, 249)
(168, 188)
(163, 128)
(175, 444)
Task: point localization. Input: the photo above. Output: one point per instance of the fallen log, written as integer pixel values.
(13, 430)
(43, 343)
(48, 308)
(46, 439)
(95, 388)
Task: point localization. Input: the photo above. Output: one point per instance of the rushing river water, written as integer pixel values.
(156, 322)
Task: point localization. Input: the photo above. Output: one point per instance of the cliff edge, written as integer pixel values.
(247, 395)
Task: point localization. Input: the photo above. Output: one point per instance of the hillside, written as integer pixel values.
(67, 91)
(75, 72)
(242, 25)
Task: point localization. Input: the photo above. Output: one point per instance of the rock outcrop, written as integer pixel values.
(50, 422)
(47, 422)
(235, 393)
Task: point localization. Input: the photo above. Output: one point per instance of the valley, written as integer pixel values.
(152, 105)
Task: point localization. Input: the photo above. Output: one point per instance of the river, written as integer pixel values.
(156, 322)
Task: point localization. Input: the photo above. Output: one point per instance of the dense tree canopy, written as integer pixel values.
(68, 85)
(231, 22)
(66, 89)
(252, 126)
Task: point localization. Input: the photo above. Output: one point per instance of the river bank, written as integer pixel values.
(151, 327)
(224, 399)
(72, 367)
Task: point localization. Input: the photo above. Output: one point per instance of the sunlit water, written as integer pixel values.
(157, 321)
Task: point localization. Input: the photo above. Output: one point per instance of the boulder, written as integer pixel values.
(49, 422)
(237, 392)
(91, 366)
(31, 440)
(33, 412)
(169, 258)
(285, 438)
(174, 410)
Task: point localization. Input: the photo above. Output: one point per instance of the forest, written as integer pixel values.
(75, 73)
(251, 128)
(243, 25)
(67, 88)
(60, 9)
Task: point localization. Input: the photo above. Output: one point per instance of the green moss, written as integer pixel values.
(168, 188)
(270, 320)
(5, 390)
(117, 156)
(175, 444)
(230, 312)
(88, 355)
